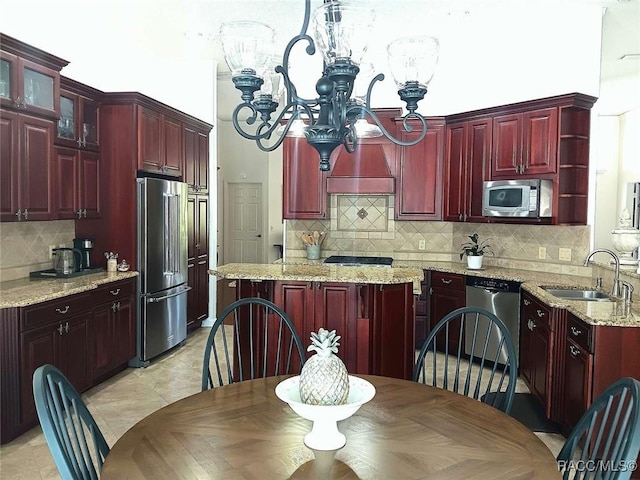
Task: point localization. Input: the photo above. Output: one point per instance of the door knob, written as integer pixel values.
(258, 236)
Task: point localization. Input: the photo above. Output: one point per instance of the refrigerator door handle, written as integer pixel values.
(159, 299)
(171, 244)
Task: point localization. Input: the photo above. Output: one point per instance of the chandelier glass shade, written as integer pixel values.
(339, 114)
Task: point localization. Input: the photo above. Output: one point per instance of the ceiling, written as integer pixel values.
(201, 21)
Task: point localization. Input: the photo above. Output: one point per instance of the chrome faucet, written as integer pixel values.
(615, 290)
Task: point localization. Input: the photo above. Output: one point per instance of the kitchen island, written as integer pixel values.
(371, 308)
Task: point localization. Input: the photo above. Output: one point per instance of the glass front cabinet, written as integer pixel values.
(29, 78)
(78, 123)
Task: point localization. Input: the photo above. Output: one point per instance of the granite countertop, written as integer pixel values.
(321, 273)
(28, 291)
(594, 313)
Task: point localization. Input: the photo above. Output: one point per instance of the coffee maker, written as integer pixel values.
(85, 245)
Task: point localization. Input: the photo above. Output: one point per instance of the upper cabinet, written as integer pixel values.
(419, 173)
(468, 160)
(159, 142)
(525, 144)
(304, 185)
(29, 78)
(79, 111)
(196, 158)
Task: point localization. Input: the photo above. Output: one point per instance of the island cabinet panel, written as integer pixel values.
(304, 185)
(392, 334)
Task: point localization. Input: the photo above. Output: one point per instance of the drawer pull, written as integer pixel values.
(526, 302)
(574, 351)
(575, 331)
(64, 310)
(114, 292)
(446, 281)
(540, 313)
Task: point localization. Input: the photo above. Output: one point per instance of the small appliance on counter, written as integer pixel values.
(84, 245)
(67, 263)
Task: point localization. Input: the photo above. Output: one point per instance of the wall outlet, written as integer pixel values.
(542, 253)
(564, 254)
(51, 247)
(422, 245)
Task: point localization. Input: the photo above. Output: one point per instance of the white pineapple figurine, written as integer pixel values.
(324, 379)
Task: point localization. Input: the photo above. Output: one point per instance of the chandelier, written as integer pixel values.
(337, 115)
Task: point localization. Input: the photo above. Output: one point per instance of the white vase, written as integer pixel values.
(474, 262)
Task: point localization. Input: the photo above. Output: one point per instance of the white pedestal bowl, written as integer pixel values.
(325, 434)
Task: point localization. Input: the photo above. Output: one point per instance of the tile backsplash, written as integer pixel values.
(356, 227)
(24, 246)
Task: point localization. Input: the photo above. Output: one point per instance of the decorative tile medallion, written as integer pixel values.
(359, 213)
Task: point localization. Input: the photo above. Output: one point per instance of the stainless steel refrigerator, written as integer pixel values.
(162, 263)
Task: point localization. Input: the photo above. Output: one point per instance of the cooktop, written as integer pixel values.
(360, 261)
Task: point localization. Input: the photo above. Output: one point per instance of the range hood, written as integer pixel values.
(365, 171)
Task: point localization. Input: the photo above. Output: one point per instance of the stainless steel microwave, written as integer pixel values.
(530, 198)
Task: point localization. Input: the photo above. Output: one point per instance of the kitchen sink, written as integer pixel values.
(578, 294)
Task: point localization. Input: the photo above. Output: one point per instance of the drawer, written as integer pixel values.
(580, 332)
(54, 310)
(114, 291)
(535, 311)
(448, 280)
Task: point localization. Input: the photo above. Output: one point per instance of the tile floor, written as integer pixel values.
(126, 398)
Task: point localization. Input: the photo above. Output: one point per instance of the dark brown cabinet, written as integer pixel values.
(26, 159)
(419, 171)
(467, 165)
(112, 329)
(77, 181)
(29, 78)
(447, 293)
(160, 147)
(537, 348)
(196, 159)
(54, 332)
(421, 305)
(304, 189)
(197, 260)
(525, 144)
(78, 125)
(374, 321)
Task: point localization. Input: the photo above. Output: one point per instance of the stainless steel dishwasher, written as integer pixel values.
(502, 298)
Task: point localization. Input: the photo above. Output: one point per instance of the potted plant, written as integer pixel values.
(475, 250)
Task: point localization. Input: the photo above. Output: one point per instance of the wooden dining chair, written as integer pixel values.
(606, 441)
(260, 340)
(470, 351)
(75, 441)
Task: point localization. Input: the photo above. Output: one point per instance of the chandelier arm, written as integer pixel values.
(250, 121)
(377, 78)
(405, 124)
(350, 140)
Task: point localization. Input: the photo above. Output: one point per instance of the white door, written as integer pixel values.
(244, 239)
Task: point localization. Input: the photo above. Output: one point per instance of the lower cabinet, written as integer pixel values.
(447, 293)
(88, 336)
(536, 348)
(421, 306)
(112, 329)
(374, 321)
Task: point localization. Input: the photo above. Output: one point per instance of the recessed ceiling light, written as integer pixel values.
(630, 56)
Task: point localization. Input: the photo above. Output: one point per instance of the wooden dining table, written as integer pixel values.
(407, 431)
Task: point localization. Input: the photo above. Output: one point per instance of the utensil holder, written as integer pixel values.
(313, 252)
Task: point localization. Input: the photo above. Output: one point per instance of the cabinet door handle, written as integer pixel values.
(84, 212)
(114, 292)
(198, 246)
(115, 306)
(64, 310)
(26, 214)
(79, 142)
(19, 214)
(66, 327)
(540, 313)
(60, 329)
(575, 331)
(526, 302)
(531, 324)
(446, 281)
(309, 285)
(318, 285)
(574, 351)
